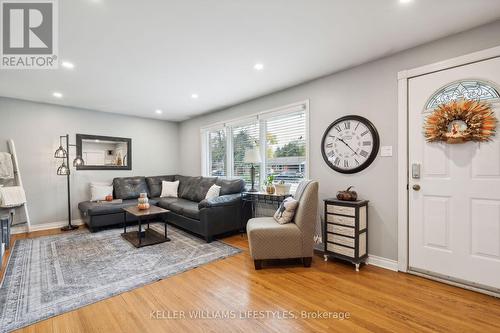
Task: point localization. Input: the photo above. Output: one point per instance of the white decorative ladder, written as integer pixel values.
(26, 225)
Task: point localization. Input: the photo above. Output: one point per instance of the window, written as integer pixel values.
(467, 89)
(217, 158)
(286, 147)
(244, 138)
(279, 137)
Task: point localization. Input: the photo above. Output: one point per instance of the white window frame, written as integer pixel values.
(205, 151)
(261, 118)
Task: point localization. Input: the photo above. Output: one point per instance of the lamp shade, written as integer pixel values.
(78, 161)
(252, 155)
(60, 153)
(63, 170)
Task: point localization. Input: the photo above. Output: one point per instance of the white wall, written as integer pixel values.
(36, 128)
(369, 90)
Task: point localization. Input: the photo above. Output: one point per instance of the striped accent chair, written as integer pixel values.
(270, 240)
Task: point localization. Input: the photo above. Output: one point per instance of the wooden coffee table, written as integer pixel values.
(148, 236)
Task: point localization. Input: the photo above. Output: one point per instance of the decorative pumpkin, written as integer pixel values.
(109, 198)
(143, 206)
(143, 201)
(347, 195)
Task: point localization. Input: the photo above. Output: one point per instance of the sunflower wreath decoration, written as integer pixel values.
(461, 121)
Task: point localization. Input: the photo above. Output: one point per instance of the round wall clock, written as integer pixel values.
(350, 144)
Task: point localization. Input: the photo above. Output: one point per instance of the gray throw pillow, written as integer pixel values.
(286, 211)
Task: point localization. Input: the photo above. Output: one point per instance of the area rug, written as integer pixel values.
(50, 275)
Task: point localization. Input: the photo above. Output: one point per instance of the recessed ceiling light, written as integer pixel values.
(57, 94)
(158, 111)
(68, 65)
(194, 96)
(258, 66)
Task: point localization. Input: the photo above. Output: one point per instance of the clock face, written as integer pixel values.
(350, 144)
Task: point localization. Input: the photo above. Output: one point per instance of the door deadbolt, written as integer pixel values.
(415, 171)
(416, 187)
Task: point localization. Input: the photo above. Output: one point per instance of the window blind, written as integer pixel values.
(217, 150)
(286, 147)
(244, 137)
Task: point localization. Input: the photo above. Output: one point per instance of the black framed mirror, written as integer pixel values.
(104, 152)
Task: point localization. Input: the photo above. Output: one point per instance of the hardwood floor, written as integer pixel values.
(377, 300)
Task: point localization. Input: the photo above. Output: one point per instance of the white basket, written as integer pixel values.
(282, 189)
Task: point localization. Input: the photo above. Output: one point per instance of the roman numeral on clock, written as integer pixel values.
(329, 145)
(364, 133)
(363, 153)
(347, 125)
(338, 128)
(337, 161)
(330, 153)
(367, 143)
(346, 163)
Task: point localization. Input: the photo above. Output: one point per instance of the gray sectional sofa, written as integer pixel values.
(189, 211)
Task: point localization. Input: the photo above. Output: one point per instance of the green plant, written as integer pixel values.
(270, 180)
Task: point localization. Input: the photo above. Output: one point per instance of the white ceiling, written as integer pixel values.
(133, 57)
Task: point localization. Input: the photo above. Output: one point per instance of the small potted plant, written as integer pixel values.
(269, 184)
(282, 188)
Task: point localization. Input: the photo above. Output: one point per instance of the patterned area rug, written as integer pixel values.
(48, 276)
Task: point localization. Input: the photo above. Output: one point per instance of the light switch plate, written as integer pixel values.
(386, 151)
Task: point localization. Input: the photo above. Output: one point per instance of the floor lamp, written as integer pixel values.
(64, 170)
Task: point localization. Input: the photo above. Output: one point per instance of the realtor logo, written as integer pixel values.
(29, 34)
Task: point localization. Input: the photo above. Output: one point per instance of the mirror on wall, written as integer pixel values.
(104, 152)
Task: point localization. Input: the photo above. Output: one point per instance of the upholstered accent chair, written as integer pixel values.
(270, 240)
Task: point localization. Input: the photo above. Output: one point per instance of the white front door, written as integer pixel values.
(454, 219)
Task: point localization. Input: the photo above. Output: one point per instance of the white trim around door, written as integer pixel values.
(403, 78)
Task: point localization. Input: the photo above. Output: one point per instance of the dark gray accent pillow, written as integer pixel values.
(154, 184)
(129, 187)
(203, 187)
(188, 187)
(230, 186)
(183, 183)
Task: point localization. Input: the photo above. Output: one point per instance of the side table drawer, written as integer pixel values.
(350, 221)
(340, 250)
(346, 231)
(351, 211)
(341, 240)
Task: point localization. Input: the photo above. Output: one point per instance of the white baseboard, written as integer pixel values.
(44, 226)
(382, 262)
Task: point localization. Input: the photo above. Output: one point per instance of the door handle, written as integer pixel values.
(416, 187)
